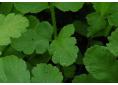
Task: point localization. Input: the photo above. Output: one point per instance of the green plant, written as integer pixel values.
(35, 47)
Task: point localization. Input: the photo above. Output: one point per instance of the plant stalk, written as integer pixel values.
(53, 18)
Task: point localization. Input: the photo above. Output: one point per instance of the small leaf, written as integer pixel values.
(113, 43)
(63, 48)
(69, 6)
(33, 21)
(32, 7)
(13, 70)
(46, 73)
(96, 23)
(37, 38)
(11, 26)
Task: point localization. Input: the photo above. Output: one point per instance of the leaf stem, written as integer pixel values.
(53, 18)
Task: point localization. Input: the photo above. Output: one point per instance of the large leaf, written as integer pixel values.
(46, 73)
(11, 26)
(69, 6)
(99, 62)
(32, 7)
(37, 38)
(13, 70)
(63, 48)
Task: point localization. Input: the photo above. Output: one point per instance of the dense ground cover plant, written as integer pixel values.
(58, 42)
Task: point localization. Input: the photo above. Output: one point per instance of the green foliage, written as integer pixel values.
(37, 38)
(11, 26)
(13, 69)
(46, 73)
(86, 79)
(6, 8)
(54, 42)
(67, 6)
(95, 25)
(63, 48)
(112, 45)
(31, 7)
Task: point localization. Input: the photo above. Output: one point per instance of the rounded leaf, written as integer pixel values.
(98, 61)
(46, 73)
(32, 7)
(13, 70)
(69, 6)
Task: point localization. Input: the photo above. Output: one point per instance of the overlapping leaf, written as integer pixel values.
(35, 39)
(63, 48)
(46, 73)
(11, 26)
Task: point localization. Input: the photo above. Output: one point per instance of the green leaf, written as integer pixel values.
(69, 6)
(113, 43)
(40, 59)
(6, 7)
(102, 7)
(11, 26)
(46, 73)
(98, 61)
(1, 49)
(113, 19)
(85, 78)
(13, 70)
(37, 38)
(105, 32)
(63, 48)
(81, 28)
(96, 23)
(32, 7)
(69, 71)
(11, 51)
(33, 21)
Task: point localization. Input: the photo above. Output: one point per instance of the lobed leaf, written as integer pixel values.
(46, 73)
(37, 38)
(12, 26)
(63, 48)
